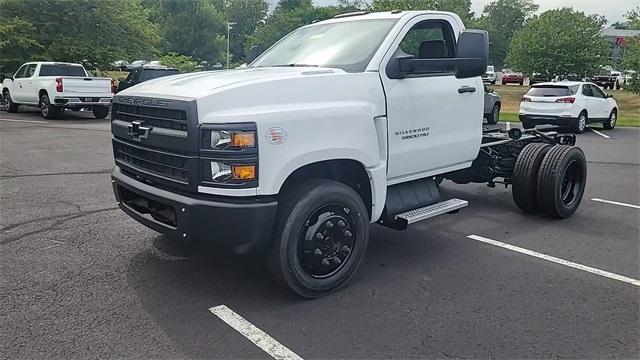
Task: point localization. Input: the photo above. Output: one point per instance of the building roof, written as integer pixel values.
(619, 32)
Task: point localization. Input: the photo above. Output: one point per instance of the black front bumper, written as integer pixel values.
(547, 119)
(237, 225)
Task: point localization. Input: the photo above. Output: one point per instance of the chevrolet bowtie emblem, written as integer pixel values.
(137, 131)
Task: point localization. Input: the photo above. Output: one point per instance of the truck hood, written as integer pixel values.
(201, 84)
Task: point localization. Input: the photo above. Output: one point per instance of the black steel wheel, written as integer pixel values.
(48, 110)
(611, 123)
(561, 181)
(525, 176)
(321, 236)
(8, 104)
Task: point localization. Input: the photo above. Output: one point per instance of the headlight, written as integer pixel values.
(230, 172)
(228, 139)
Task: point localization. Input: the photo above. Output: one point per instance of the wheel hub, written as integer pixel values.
(328, 239)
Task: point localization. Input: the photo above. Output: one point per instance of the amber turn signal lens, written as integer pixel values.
(243, 140)
(243, 172)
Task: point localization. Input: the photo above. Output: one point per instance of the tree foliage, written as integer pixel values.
(633, 19)
(247, 15)
(502, 19)
(93, 32)
(559, 42)
(631, 61)
(286, 17)
(181, 62)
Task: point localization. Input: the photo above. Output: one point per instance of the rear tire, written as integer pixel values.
(321, 236)
(494, 117)
(9, 105)
(47, 110)
(100, 112)
(561, 181)
(581, 123)
(525, 176)
(613, 118)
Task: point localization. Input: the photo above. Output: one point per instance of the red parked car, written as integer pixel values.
(512, 78)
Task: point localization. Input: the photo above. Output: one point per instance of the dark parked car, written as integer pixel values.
(144, 73)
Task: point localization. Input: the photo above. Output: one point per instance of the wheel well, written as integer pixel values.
(42, 92)
(615, 109)
(586, 113)
(348, 172)
(498, 103)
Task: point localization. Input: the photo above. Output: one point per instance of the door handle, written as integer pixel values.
(466, 89)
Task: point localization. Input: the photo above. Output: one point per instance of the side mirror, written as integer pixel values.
(8, 76)
(252, 54)
(472, 53)
(472, 57)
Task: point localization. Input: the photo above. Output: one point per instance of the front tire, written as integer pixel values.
(9, 105)
(561, 181)
(494, 117)
(321, 236)
(47, 110)
(613, 118)
(581, 123)
(100, 112)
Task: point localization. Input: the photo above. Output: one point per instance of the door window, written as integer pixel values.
(31, 69)
(586, 90)
(430, 39)
(21, 72)
(597, 92)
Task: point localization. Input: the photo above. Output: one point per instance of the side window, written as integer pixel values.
(131, 75)
(31, 69)
(586, 90)
(430, 39)
(597, 92)
(21, 72)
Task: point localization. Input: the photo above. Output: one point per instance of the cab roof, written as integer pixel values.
(395, 14)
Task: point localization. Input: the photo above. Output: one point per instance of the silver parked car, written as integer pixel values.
(491, 106)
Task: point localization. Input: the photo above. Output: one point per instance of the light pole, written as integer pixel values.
(229, 27)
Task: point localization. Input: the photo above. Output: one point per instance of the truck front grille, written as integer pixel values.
(152, 162)
(158, 117)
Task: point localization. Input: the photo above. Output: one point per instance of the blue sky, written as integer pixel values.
(612, 9)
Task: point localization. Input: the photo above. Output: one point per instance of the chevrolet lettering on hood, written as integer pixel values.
(141, 101)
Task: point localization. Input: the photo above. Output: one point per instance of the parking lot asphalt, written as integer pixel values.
(81, 279)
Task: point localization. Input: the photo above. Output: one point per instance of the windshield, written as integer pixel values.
(148, 74)
(346, 45)
(552, 91)
(490, 68)
(62, 70)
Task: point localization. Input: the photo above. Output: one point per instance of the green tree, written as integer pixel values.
(502, 19)
(633, 19)
(460, 7)
(195, 28)
(247, 15)
(178, 61)
(95, 33)
(17, 44)
(286, 17)
(631, 61)
(559, 42)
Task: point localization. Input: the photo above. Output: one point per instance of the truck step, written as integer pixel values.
(419, 214)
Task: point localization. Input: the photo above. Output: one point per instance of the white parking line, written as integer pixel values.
(26, 121)
(255, 335)
(556, 260)
(616, 203)
(599, 133)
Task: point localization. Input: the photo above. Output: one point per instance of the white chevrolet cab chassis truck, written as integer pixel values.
(342, 123)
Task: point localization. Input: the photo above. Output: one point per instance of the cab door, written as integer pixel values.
(29, 91)
(17, 90)
(434, 119)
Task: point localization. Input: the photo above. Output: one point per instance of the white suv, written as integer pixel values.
(490, 75)
(568, 103)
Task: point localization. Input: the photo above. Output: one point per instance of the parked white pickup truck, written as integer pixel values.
(342, 123)
(55, 86)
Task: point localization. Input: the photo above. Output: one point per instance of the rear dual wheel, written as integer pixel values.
(550, 179)
(321, 236)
